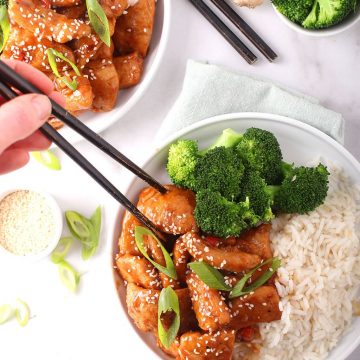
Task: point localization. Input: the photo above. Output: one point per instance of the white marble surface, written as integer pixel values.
(90, 325)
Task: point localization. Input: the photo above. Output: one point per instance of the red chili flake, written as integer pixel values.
(247, 334)
(212, 240)
(46, 4)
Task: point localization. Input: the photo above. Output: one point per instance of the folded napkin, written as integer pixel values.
(210, 90)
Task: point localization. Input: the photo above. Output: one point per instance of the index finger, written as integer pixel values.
(36, 77)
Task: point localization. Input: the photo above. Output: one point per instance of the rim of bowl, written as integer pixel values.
(119, 112)
(58, 221)
(180, 133)
(348, 22)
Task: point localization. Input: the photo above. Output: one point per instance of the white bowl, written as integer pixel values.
(300, 143)
(128, 98)
(58, 222)
(350, 21)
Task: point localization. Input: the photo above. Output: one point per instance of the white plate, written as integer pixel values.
(349, 22)
(299, 142)
(128, 98)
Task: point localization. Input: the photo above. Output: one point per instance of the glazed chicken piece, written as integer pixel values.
(173, 212)
(215, 346)
(129, 68)
(181, 258)
(138, 270)
(85, 49)
(143, 308)
(228, 258)
(127, 243)
(255, 241)
(80, 99)
(209, 306)
(22, 45)
(73, 12)
(105, 84)
(133, 30)
(260, 306)
(104, 52)
(45, 22)
(65, 3)
(115, 8)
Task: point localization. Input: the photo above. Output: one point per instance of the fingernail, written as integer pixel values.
(42, 106)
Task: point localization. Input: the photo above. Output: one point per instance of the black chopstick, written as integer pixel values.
(240, 23)
(238, 45)
(75, 155)
(9, 76)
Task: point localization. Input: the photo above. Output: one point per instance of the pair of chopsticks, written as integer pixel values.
(10, 80)
(240, 23)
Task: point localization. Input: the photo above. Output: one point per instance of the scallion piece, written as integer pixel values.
(4, 27)
(209, 275)
(89, 247)
(98, 20)
(169, 270)
(61, 249)
(22, 312)
(68, 275)
(168, 301)
(78, 225)
(47, 158)
(240, 289)
(6, 313)
(52, 55)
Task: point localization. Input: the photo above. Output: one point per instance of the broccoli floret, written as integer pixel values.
(182, 160)
(219, 217)
(326, 13)
(261, 152)
(220, 170)
(229, 138)
(255, 189)
(295, 10)
(303, 189)
(4, 3)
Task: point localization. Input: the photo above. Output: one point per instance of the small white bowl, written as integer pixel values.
(350, 21)
(58, 222)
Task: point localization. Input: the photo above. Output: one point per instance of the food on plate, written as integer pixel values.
(316, 14)
(90, 49)
(248, 3)
(244, 177)
(266, 286)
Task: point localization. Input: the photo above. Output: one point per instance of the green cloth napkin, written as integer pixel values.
(210, 90)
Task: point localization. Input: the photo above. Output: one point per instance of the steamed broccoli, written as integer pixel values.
(303, 189)
(255, 189)
(295, 10)
(326, 13)
(217, 216)
(259, 150)
(182, 160)
(220, 170)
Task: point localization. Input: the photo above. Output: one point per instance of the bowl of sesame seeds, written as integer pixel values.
(30, 224)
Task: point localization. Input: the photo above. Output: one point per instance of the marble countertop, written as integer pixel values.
(90, 325)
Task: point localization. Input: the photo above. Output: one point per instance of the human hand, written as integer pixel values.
(21, 118)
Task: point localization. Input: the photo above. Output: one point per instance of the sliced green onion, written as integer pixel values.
(209, 275)
(22, 312)
(78, 225)
(169, 270)
(68, 275)
(4, 27)
(240, 289)
(61, 249)
(168, 301)
(98, 20)
(52, 55)
(6, 313)
(89, 248)
(47, 158)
